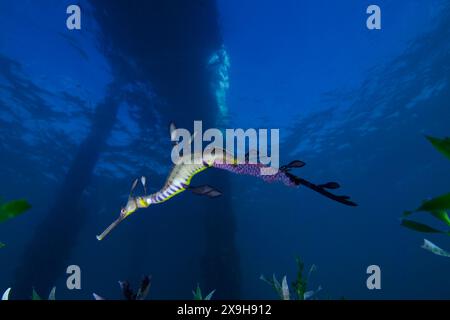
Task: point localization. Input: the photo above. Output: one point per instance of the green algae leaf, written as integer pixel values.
(197, 293)
(436, 204)
(2, 245)
(300, 284)
(419, 227)
(35, 296)
(13, 208)
(442, 145)
(438, 214)
(442, 215)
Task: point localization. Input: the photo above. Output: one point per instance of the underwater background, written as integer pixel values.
(85, 112)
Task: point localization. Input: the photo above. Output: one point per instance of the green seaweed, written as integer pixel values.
(13, 208)
(198, 294)
(441, 215)
(439, 203)
(442, 145)
(299, 285)
(420, 227)
(35, 295)
(436, 207)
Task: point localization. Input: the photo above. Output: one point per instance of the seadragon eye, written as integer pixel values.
(123, 211)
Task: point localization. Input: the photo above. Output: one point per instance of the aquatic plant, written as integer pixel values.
(128, 292)
(437, 207)
(299, 285)
(51, 295)
(144, 289)
(442, 145)
(12, 209)
(198, 294)
(34, 294)
(5, 295)
(430, 246)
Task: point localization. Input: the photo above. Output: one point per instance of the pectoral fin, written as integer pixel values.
(143, 181)
(296, 164)
(206, 190)
(292, 165)
(135, 182)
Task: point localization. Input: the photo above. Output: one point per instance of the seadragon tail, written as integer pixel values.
(322, 189)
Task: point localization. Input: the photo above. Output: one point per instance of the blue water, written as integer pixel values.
(85, 112)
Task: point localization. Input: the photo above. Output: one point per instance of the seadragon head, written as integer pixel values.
(132, 205)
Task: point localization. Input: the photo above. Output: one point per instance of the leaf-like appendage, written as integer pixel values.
(209, 296)
(430, 246)
(285, 289)
(197, 293)
(35, 296)
(439, 203)
(442, 145)
(51, 295)
(5, 295)
(420, 227)
(13, 208)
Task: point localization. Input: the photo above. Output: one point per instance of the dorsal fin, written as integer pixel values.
(133, 186)
(143, 182)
